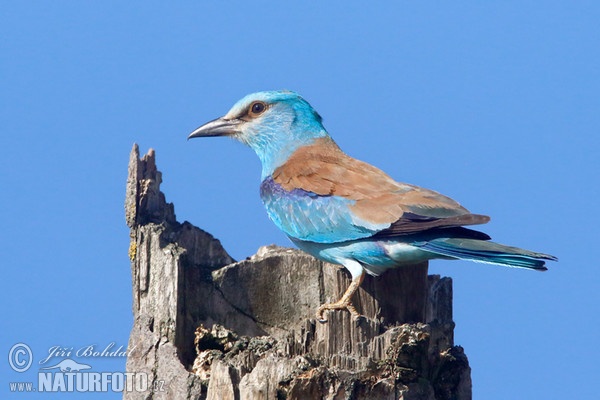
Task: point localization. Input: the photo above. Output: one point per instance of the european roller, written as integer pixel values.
(345, 211)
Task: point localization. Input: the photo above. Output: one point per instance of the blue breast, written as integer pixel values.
(307, 216)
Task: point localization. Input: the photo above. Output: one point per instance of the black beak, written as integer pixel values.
(217, 127)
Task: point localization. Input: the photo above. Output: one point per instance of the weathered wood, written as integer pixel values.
(206, 327)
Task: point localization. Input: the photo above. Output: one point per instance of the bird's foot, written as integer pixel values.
(338, 305)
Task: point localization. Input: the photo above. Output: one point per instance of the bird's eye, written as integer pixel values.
(257, 108)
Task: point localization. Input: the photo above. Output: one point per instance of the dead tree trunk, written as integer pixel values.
(206, 327)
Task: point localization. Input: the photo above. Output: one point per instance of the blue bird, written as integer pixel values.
(345, 211)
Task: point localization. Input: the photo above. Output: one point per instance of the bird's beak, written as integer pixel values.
(217, 127)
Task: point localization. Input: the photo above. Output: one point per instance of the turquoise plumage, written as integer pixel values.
(345, 211)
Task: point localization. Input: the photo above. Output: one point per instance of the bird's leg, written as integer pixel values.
(344, 302)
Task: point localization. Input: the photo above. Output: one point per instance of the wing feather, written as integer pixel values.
(377, 204)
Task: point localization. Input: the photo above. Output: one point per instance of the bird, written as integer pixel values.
(345, 211)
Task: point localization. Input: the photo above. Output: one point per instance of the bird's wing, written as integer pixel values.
(321, 194)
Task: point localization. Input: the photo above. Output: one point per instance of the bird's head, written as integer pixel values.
(274, 124)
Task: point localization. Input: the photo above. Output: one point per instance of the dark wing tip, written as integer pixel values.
(413, 223)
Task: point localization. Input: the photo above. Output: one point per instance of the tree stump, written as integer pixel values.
(207, 327)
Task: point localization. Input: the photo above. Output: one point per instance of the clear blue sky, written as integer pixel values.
(496, 105)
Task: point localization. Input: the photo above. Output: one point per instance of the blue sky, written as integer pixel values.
(495, 105)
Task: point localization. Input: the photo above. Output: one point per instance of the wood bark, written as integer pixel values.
(207, 327)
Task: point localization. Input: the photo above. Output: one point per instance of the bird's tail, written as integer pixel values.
(487, 252)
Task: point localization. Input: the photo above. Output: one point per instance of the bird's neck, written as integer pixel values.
(274, 153)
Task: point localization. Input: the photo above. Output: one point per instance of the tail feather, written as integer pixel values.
(487, 252)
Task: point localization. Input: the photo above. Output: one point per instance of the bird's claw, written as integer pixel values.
(336, 306)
